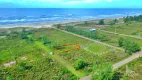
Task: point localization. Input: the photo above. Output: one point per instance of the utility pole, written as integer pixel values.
(139, 34)
(115, 29)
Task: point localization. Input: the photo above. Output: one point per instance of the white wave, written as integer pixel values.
(69, 14)
(15, 20)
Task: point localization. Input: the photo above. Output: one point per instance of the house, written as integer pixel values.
(92, 30)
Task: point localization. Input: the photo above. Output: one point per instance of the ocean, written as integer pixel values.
(51, 15)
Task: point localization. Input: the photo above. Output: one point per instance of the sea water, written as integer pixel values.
(31, 15)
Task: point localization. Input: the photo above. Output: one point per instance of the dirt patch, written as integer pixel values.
(96, 26)
(23, 58)
(2, 36)
(72, 47)
(9, 63)
(31, 61)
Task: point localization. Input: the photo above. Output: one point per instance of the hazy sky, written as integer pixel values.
(71, 3)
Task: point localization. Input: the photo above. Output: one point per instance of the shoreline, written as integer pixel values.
(47, 24)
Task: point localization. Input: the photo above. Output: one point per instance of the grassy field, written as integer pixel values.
(132, 71)
(89, 51)
(11, 48)
(131, 28)
(32, 62)
(113, 38)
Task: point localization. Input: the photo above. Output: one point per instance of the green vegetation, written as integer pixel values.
(104, 71)
(93, 35)
(89, 50)
(130, 46)
(32, 62)
(44, 40)
(48, 53)
(86, 22)
(101, 22)
(132, 71)
(113, 22)
(79, 64)
(133, 18)
(131, 28)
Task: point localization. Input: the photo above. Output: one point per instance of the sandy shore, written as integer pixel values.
(32, 25)
(43, 24)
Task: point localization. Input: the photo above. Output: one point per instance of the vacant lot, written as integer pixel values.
(132, 71)
(131, 28)
(32, 62)
(33, 58)
(91, 52)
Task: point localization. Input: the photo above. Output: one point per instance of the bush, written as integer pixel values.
(44, 40)
(130, 47)
(101, 22)
(113, 22)
(79, 64)
(23, 66)
(132, 18)
(121, 42)
(58, 25)
(103, 72)
(86, 22)
(93, 35)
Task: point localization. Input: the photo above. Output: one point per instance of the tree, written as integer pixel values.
(121, 42)
(44, 40)
(79, 64)
(101, 22)
(31, 39)
(86, 22)
(125, 19)
(113, 22)
(23, 34)
(132, 18)
(58, 25)
(103, 72)
(130, 46)
(9, 78)
(22, 66)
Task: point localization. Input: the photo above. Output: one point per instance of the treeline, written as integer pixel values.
(132, 18)
(129, 46)
(89, 34)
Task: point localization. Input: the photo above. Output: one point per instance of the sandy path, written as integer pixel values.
(127, 60)
(116, 65)
(120, 64)
(122, 34)
(91, 39)
(9, 63)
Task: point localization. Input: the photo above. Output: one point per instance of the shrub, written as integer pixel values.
(130, 47)
(44, 40)
(86, 22)
(121, 42)
(58, 25)
(22, 66)
(101, 22)
(103, 72)
(79, 64)
(9, 78)
(31, 39)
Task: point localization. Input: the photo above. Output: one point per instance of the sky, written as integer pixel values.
(70, 3)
